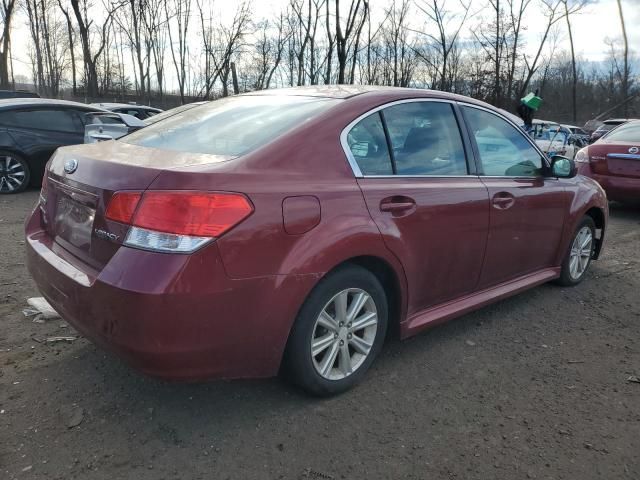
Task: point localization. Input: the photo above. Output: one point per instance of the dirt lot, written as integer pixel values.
(533, 387)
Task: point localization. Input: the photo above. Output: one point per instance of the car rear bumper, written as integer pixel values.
(173, 316)
(622, 189)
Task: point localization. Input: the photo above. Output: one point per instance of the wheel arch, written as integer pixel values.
(390, 278)
(599, 218)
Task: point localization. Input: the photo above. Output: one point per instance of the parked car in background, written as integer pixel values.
(295, 227)
(30, 131)
(4, 94)
(553, 138)
(103, 127)
(579, 136)
(606, 126)
(139, 111)
(614, 162)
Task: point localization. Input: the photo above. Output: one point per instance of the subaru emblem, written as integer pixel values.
(634, 150)
(70, 165)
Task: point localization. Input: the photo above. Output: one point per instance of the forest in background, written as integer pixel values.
(167, 52)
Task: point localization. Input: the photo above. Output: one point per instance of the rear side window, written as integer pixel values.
(504, 151)
(625, 133)
(232, 126)
(425, 139)
(52, 120)
(368, 146)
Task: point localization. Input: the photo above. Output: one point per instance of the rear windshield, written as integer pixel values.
(231, 126)
(625, 133)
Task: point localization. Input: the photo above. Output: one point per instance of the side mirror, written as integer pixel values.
(563, 167)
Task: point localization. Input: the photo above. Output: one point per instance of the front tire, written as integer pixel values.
(338, 333)
(578, 258)
(14, 173)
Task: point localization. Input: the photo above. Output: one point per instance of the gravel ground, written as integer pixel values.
(536, 386)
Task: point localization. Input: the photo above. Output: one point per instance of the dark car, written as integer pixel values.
(141, 112)
(606, 127)
(30, 131)
(4, 94)
(294, 228)
(614, 162)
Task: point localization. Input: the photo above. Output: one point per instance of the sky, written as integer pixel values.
(591, 27)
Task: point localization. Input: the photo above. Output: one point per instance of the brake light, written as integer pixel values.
(177, 221)
(199, 214)
(582, 156)
(122, 206)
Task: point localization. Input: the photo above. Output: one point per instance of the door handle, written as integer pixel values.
(503, 200)
(397, 204)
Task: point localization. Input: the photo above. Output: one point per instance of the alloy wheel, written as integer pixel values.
(12, 174)
(344, 333)
(581, 251)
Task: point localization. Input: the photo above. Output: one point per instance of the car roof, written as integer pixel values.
(108, 105)
(10, 103)
(384, 93)
(618, 120)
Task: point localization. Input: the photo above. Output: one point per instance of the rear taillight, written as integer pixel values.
(582, 156)
(122, 206)
(177, 221)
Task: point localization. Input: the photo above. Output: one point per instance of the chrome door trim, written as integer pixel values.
(624, 156)
(357, 172)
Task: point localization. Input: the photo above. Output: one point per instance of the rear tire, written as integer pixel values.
(14, 173)
(578, 258)
(344, 322)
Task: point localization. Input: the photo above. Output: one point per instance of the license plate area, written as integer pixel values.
(74, 221)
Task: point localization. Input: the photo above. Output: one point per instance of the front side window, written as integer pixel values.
(425, 139)
(504, 151)
(232, 126)
(368, 146)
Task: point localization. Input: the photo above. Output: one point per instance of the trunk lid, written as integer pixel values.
(81, 180)
(618, 159)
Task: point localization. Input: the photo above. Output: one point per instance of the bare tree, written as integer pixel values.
(178, 11)
(446, 38)
(625, 72)
(554, 12)
(269, 49)
(347, 38)
(221, 43)
(7, 12)
(71, 44)
(90, 55)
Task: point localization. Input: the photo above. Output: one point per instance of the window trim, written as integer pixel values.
(357, 172)
(546, 166)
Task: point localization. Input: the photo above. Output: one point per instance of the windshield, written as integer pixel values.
(626, 133)
(232, 126)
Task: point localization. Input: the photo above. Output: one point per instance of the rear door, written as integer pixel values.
(39, 132)
(527, 208)
(411, 164)
(618, 154)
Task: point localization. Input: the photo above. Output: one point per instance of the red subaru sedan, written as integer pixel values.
(614, 162)
(291, 230)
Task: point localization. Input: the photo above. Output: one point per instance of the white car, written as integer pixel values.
(553, 138)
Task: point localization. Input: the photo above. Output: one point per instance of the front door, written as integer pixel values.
(432, 214)
(527, 208)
